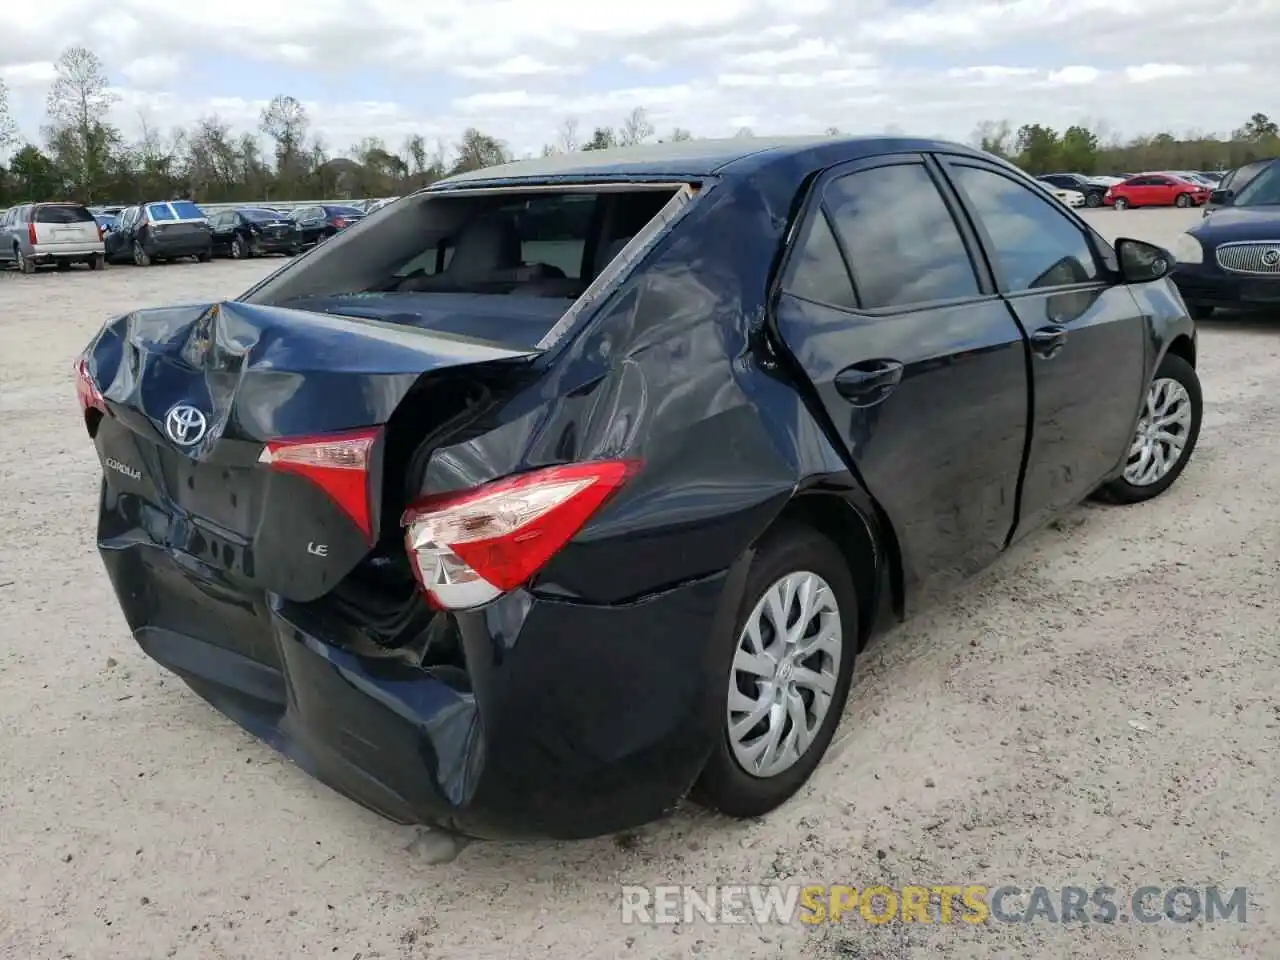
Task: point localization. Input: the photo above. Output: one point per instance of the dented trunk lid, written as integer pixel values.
(193, 395)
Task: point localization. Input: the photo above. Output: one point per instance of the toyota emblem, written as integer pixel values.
(1271, 258)
(185, 425)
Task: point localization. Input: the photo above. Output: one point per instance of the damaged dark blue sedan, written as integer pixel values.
(560, 491)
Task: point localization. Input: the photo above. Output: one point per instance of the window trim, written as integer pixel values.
(814, 205)
(1106, 276)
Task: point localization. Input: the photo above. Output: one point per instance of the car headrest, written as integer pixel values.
(490, 243)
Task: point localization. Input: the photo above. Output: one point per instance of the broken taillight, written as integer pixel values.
(337, 463)
(470, 547)
(87, 391)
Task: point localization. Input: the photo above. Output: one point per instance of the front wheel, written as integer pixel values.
(1121, 203)
(1183, 200)
(204, 257)
(1093, 200)
(140, 256)
(787, 676)
(1166, 435)
(24, 263)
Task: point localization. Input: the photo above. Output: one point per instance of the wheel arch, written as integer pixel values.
(1183, 346)
(867, 542)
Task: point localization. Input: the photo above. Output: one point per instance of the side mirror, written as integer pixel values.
(1221, 198)
(1142, 262)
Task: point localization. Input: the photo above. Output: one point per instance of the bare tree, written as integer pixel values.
(636, 128)
(78, 104)
(745, 132)
(285, 121)
(567, 138)
(8, 127)
(679, 134)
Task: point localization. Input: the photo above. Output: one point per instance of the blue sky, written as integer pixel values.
(518, 69)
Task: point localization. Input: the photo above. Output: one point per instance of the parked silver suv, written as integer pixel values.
(39, 234)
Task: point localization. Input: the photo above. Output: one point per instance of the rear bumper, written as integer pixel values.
(278, 244)
(51, 252)
(185, 245)
(580, 720)
(1207, 285)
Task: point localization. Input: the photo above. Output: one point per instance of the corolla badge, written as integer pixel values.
(185, 425)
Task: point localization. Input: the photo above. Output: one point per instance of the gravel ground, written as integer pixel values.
(1098, 708)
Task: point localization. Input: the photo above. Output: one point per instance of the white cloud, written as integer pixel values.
(517, 68)
(152, 71)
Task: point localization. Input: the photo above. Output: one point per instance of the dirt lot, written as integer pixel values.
(1099, 708)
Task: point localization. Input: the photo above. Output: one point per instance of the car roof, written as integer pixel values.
(692, 159)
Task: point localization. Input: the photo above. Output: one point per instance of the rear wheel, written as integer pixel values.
(1121, 203)
(24, 263)
(1183, 200)
(140, 257)
(1093, 200)
(237, 248)
(1166, 435)
(788, 674)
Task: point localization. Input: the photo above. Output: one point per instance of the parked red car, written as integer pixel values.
(1156, 190)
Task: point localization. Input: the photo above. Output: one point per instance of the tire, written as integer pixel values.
(725, 783)
(1172, 369)
(237, 248)
(97, 262)
(140, 257)
(1093, 200)
(1200, 311)
(204, 257)
(24, 264)
(1121, 203)
(293, 251)
(1182, 200)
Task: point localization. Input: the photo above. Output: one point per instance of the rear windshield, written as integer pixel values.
(63, 213)
(259, 216)
(186, 210)
(160, 211)
(546, 244)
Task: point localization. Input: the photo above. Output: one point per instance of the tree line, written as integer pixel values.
(81, 155)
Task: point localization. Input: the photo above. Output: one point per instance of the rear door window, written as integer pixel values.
(820, 273)
(903, 246)
(63, 213)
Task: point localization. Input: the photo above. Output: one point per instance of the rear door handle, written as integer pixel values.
(1047, 342)
(868, 383)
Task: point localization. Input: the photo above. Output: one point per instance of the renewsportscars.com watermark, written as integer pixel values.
(764, 904)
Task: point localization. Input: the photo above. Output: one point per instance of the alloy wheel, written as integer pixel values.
(1162, 433)
(784, 673)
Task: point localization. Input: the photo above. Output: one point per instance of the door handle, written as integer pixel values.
(1047, 342)
(868, 383)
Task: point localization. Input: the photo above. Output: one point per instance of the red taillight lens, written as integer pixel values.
(338, 222)
(87, 391)
(31, 233)
(470, 547)
(337, 463)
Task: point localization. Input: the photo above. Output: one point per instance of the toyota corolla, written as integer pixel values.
(560, 491)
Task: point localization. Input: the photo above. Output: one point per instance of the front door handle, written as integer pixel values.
(1047, 342)
(868, 383)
